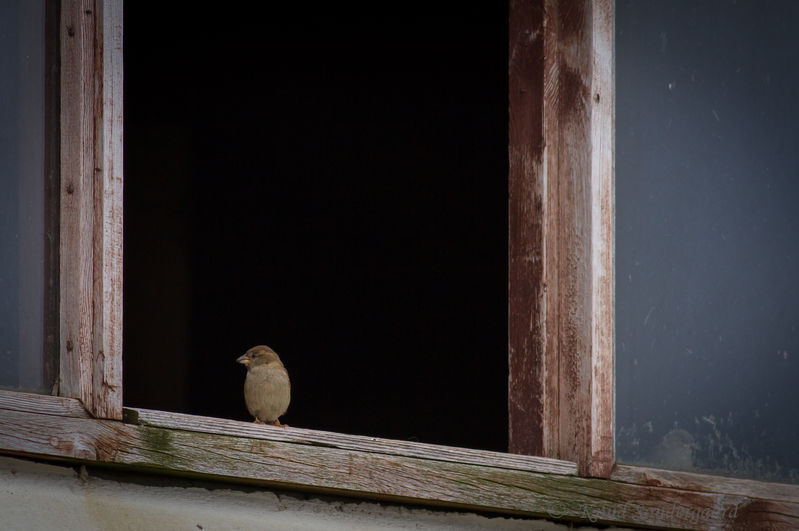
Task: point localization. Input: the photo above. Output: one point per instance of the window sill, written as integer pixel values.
(368, 467)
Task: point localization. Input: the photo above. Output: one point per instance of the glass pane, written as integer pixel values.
(707, 311)
(22, 194)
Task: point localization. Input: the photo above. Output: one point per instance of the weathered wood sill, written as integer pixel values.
(374, 468)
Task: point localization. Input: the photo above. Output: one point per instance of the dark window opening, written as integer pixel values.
(331, 182)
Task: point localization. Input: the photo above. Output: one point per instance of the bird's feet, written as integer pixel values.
(275, 422)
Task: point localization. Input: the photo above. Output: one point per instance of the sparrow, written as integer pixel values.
(267, 390)
(675, 451)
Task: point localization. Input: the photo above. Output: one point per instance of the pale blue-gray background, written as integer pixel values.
(707, 254)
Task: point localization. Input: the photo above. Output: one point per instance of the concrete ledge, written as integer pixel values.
(36, 495)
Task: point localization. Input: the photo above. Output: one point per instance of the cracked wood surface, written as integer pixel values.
(90, 236)
(165, 419)
(382, 469)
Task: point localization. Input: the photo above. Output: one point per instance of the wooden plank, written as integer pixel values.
(164, 419)
(602, 454)
(552, 228)
(49, 405)
(108, 211)
(381, 476)
(561, 231)
(572, 108)
(77, 182)
(526, 227)
(576, 369)
(706, 483)
(91, 205)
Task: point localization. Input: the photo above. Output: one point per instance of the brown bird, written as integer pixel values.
(267, 390)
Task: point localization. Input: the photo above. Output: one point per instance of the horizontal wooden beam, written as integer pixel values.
(165, 419)
(367, 467)
(45, 404)
(706, 483)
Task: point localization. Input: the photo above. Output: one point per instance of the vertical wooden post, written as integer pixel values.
(91, 205)
(108, 209)
(527, 215)
(77, 180)
(571, 107)
(561, 231)
(603, 238)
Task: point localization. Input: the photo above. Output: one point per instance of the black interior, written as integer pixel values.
(332, 182)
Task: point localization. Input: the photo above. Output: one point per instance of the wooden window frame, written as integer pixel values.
(560, 317)
(91, 125)
(560, 251)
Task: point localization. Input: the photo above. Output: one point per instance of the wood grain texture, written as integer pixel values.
(77, 181)
(165, 419)
(551, 184)
(561, 231)
(49, 405)
(572, 109)
(706, 483)
(526, 233)
(585, 399)
(602, 455)
(367, 474)
(108, 214)
(91, 205)
(580, 96)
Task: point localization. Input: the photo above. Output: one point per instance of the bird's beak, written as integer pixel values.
(243, 359)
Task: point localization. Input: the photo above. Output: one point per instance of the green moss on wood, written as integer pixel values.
(158, 446)
(130, 416)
